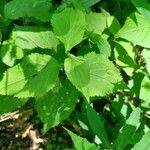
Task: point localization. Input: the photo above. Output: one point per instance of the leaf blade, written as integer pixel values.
(57, 104)
(37, 9)
(71, 30)
(81, 143)
(136, 30)
(95, 75)
(97, 125)
(21, 79)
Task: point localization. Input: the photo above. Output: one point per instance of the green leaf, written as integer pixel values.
(24, 39)
(8, 104)
(140, 86)
(143, 7)
(125, 55)
(101, 43)
(0, 37)
(2, 4)
(128, 133)
(76, 69)
(96, 123)
(96, 22)
(89, 3)
(145, 89)
(33, 37)
(146, 56)
(57, 104)
(81, 143)
(120, 108)
(93, 75)
(113, 24)
(24, 8)
(69, 26)
(2, 69)
(135, 83)
(77, 4)
(136, 30)
(144, 143)
(9, 53)
(34, 76)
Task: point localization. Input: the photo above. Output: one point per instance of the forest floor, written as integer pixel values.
(22, 130)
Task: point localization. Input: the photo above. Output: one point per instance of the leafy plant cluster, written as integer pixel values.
(92, 54)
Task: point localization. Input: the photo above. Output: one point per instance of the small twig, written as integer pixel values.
(10, 115)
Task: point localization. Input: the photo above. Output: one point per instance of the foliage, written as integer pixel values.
(89, 54)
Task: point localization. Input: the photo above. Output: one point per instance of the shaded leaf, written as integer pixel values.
(135, 83)
(125, 55)
(101, 43)
(113, 24)
(81, 143)
(0, 37)
(140, 86)
(9, 53)
(128, 133)
(96, 123)
(8, 104)
(24, 8)
(2, 4)
(57, 104)
(87, 4)
(143, 7)
(34, 76)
